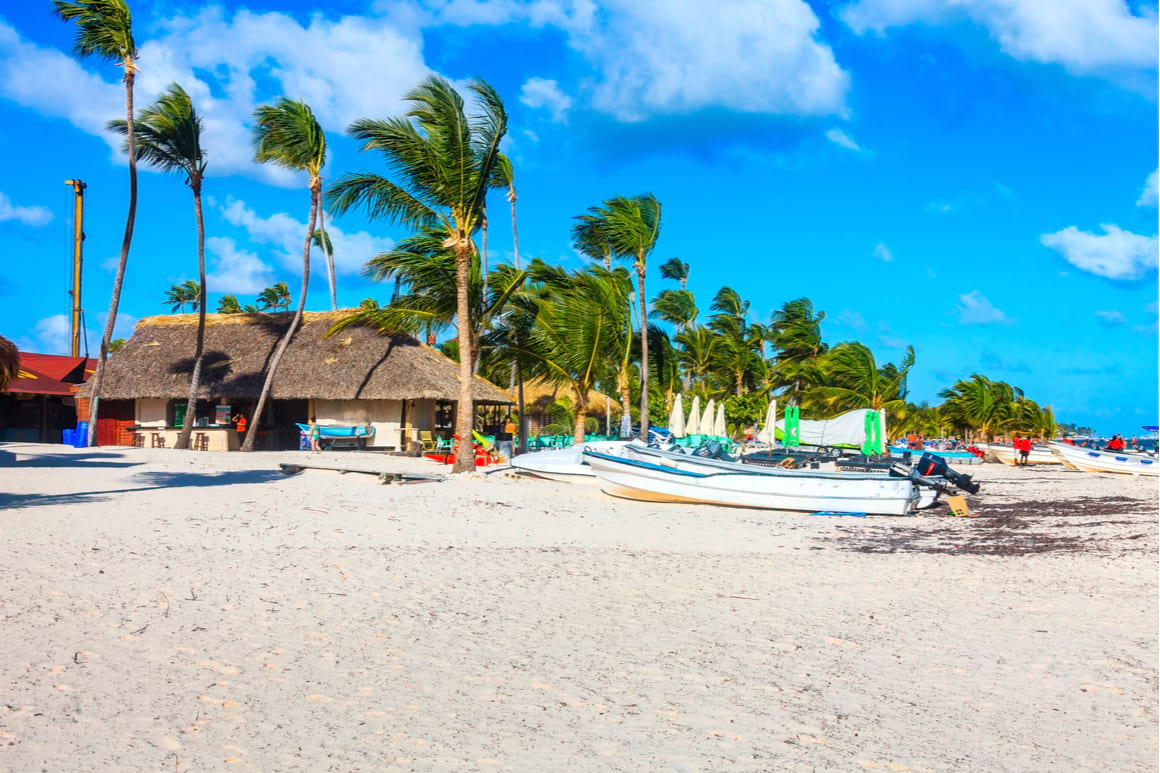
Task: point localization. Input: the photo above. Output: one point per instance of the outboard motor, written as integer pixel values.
(935, 466)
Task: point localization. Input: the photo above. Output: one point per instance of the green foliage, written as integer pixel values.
(116, 345)
(179, 295)
(229, 305)
(746, 410)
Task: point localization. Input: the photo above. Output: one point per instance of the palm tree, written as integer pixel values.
(854, 380)
(288, 135)
(443, 162)
(739, 348)
(676, 307)
(368, 303)
(276, 298)
(630, 228)
(229, 305)
(796, 335)
(105, 30)
(979, 404)
(180, 294)
(322, 241)
(673, 268)
(169, 139)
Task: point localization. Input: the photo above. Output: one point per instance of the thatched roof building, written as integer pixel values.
(9, 363)
(538, 395)
(356, 364)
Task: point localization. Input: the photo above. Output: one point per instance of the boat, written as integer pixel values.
(1102, 460)
(1008, 455)
(801, 490)
(951, 457)
(565, 464)
(929, 487)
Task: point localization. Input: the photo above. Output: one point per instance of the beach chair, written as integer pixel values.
(428, 440)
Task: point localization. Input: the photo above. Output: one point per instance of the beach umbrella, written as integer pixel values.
(719, 429)
(693, 425)
(677, 418)
(768, 434)
(708, 416)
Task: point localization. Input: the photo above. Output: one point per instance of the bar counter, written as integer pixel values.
(218, 437)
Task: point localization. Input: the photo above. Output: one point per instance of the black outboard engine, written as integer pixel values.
(930, 465)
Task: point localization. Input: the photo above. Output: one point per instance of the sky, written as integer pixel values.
(975, 178)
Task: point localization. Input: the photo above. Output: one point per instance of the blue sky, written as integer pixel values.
(976, 179)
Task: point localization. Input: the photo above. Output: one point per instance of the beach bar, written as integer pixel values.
(389, 388)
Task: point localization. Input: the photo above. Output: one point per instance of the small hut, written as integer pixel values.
(391, 384)
(539, 395)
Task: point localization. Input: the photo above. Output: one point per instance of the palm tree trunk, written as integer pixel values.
(644, 418)
(195, 380)
(328, 256)
(255, 422)
(516, 370)
(465, 415)
(581, 415)
(119, 278)
(483, 276)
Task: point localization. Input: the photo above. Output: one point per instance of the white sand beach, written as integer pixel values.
(182, 611)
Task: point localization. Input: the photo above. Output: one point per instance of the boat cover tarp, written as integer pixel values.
(846, 431)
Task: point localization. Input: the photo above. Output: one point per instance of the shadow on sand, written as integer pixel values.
(150, 481)
(90, 459)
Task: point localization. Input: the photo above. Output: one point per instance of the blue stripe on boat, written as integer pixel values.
(645, 465)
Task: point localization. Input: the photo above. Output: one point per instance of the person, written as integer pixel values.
(1116, 443)
(1023, 447)
(315, 435)
(239, 424)
(503, 438)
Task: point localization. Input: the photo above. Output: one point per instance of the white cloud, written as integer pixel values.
(235, 270)
(841, 139)
(229, 64)
(1111, 317)
(1115, 254)
(883, 253)
(286, 235)
(541, 92)
(753, 56)
(975, 309)
(1151, 192)
(28, 215)
(852, 319)
(1085, 36)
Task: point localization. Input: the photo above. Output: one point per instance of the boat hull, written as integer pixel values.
(927, 495)
(564, 465)
(1090, 460)
(646, 481)
(1007, 454)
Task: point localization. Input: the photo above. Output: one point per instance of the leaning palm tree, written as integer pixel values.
(288, 135)
(443, 162)
(177, 296)
(105, 30)
(169, 139)
(229, 305)
(673, 268)
(854, 380)
(630, 227)
(9, 363)
(979, 404)
(322, 241)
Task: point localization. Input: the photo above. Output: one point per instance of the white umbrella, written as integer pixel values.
(708, 416)
(693, 425)
(768, 434)
(677, 418)
(719, 428)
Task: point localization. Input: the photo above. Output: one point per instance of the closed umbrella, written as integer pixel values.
(677, 419)
(719, 429)
(708, 417)
(768, 434)
(693, 425)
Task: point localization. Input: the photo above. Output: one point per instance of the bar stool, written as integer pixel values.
(138, 439)
(201, 441)
(158, 440)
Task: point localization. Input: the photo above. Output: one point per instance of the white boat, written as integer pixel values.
(928, 488)
(1008, 455)
(1093, 460)
(804, 490)
(951, 457)
(565, 464)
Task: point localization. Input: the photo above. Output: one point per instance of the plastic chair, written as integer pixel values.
(428, 440)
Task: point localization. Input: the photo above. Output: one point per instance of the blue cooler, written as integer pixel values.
(81, 436)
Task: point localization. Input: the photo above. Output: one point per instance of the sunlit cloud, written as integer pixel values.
(546, 94)
(34, 215)
(1115, 254)
(975, 309)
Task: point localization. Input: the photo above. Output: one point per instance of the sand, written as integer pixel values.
(183, 611)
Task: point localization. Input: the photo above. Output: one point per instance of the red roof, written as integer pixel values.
(32, 382)
(73, 370)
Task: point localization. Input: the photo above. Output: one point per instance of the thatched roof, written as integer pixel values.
(9, 362)
(357, 363)
(541, 394)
